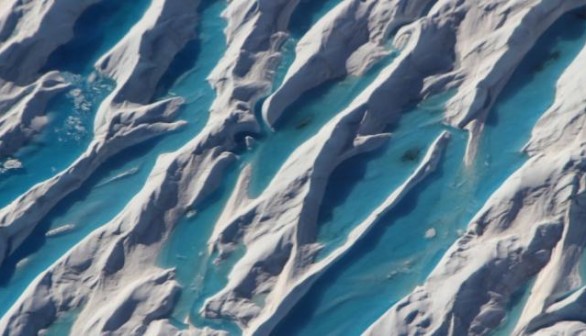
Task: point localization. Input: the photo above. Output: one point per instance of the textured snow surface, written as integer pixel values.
(292, 167)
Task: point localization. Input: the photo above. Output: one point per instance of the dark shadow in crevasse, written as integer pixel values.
(184, 61)
(304, 16)
(90, 32)
(343, 180)
(304, 311)
(296, 115)
(181, 64)
(542, 55)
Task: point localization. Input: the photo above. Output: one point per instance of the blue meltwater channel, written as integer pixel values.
(379, 270)
(396, 255)
(70, 114)
(187, 249)
(106, 193)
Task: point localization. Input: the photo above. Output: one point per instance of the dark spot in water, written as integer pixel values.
(581, 14)
(551, 58)
(411, 155)
(303, 123)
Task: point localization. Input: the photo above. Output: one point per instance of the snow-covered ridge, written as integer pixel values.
(117, 126)
(528, 229)
(348, 40)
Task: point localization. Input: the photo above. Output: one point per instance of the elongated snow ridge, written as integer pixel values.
(528, 229)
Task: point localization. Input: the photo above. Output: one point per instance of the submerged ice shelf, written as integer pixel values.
(292, 167)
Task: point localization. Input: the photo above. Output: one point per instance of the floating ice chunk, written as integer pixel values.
(12, 164)
(430, 233)
(191, 213)
(60, 230)
(249, 142)
(120, 176)
(37, 123)
(22, 263)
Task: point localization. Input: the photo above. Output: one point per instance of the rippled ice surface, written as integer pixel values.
(380, 270)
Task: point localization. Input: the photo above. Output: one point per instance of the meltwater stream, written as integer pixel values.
(71, 113)
(187, 249)
(304, 119)
(106, 193)
(382, 268)
(396, 256)
(371, 177)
